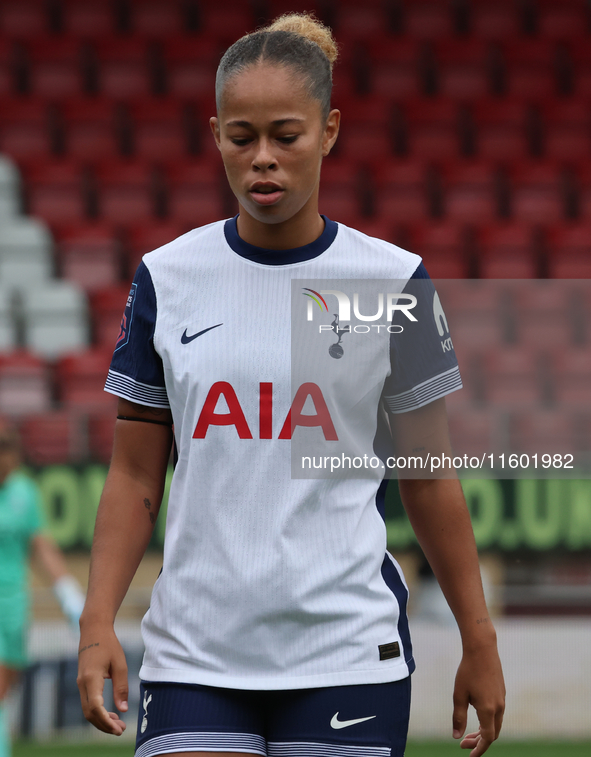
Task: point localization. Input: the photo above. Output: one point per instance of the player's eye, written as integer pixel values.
(240, 141)
(288, 140)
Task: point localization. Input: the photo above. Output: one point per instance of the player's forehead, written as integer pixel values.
(269, 94)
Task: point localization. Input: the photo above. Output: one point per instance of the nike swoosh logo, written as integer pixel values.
(336, 723)
(186, 339)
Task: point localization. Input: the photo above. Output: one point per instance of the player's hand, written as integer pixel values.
(101, 656)
(479, 682)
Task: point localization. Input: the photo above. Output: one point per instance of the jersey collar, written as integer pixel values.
(280, 257)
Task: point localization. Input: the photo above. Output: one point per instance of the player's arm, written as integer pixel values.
(125, 520)
(439, 516)
(49, 559)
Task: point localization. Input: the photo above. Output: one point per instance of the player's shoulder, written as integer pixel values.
(406, 263)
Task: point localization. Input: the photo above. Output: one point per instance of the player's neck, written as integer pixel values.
(303, 228)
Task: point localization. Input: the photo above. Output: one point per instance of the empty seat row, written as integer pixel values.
(483, 431)
(166, 129)
(49, 318)
(196, 192)
(424, 18)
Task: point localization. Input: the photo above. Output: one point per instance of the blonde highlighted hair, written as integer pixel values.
(296, 40)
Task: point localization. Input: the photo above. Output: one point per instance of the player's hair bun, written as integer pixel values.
(309, 27)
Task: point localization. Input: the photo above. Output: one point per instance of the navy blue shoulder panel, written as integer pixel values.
(135, 356)
(423, 360)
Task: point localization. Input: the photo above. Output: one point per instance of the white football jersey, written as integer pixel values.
(271, 581)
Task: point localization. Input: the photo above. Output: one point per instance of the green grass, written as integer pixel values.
(414, 749)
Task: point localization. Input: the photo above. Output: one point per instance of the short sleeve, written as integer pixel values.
(423, 361)
(136, 371)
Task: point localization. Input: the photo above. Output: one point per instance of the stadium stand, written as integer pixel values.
(466, 137)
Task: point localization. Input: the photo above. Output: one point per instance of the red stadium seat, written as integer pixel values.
(107, 310)
(543, 432)
(160, 129)
(157, 18)
(464, 67)
(512, 378)
(366, 131)
(531, 67)
(471, 191)
(567, 129)
(580, 53)
(89, 18)
(24, 18)
(402, 191)
(52, 438)
(507, 251)
(473, 431)
(81, 380)
(542, 314)
(539, 192)
(147, 237)
(340, 190)
(502, 128)
(442, 245)
(474, 312)
(55, 191)
(7, 68)
(563, 19)
(428, 19)
(56, 70)
(92, 130)
(396, 66)
(570, 251)
(194, 195)
(360, 20)
(126, 191)
(101, 428)
(25, 133)
(571, 371)
(433, 128)
(25, 385)
(124, 67)
(226, 22)
(191, 63)
(495, 19)
(583, 172)
(90, 256)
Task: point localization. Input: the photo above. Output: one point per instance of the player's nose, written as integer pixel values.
(264, 158)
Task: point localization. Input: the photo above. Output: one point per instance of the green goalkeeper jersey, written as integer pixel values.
(20, 519)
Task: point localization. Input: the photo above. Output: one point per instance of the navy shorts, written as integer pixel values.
(368, 720)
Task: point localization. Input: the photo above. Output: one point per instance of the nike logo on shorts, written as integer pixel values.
(336, 723)
(186, 339)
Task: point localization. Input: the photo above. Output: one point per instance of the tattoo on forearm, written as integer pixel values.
(483, 620)
(88, 646)
(148, 506)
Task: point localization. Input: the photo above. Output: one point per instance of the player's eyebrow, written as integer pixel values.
(277, 122)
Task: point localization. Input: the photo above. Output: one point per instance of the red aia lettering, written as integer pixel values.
(235, 417)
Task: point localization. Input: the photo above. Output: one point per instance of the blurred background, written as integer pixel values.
(466, 138)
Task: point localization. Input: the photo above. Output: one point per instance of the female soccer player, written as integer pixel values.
(278, 623)
(22, 537)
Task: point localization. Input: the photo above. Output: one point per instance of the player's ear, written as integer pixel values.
(331, 131)
(214, 125)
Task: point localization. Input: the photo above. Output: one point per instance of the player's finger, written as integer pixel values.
(91, 697)
(499, 722)
(460, 715)
(105, 721)
(120, 685)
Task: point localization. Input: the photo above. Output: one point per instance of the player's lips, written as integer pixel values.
(265, 192)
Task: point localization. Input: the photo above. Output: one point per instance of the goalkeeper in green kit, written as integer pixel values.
(22, 537)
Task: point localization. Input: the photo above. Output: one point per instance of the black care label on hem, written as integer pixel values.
(388, 651)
